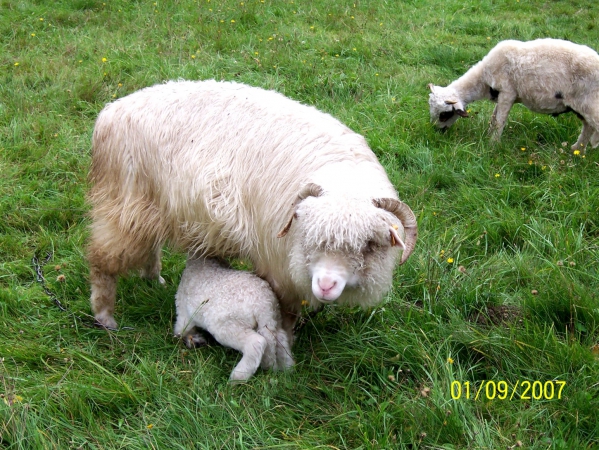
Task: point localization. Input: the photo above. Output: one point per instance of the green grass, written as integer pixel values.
(503, 285)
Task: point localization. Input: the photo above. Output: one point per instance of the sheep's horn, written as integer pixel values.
(407, 218)
(309, 190)
(450, 102)
(431, 86)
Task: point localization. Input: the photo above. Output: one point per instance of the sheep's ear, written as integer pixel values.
(396, 241)
(309, 190)
(431, 86)
(450, 102)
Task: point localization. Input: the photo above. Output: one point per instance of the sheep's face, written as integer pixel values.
(445, 106)
(345, 252)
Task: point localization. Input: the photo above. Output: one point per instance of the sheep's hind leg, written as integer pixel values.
(111, 252)
(249, 343)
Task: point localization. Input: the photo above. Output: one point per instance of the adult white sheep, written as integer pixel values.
(238, 309)
(224, 169)
(549, 76)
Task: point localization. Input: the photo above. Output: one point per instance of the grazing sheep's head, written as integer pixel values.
(445, 106)
(346, 249)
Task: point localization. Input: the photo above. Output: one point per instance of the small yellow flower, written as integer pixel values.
(16, 64)
(256, 53)
(450, 360)
(32, 34)
(449, 260)
(41, 19)
(497, 175)
(312, 27)
(104, 59)
(120, 85)
(530, 162)
(523, 149)
(488, 38)
(232, 20)
(576, 152)
(354, 49)
(376, 74)
(305, 303)
(193, 56)
(150, 426)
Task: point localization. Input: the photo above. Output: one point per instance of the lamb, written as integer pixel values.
(549, 76)
(238, 309)
(221, 169)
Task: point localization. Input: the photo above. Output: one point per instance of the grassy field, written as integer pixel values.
(502, 290)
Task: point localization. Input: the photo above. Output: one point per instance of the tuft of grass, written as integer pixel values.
(502, 287)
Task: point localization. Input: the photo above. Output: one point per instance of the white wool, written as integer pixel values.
(549, 76)
(218, 169)
(238, 309)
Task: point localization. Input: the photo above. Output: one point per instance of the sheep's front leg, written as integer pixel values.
(505, 100)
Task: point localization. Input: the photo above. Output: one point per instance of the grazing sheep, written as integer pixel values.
(224, 169)
(549, 76)
(238, 309)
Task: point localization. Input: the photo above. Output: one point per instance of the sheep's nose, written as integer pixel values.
(326, 285)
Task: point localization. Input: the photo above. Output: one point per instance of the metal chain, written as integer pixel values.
(39, 276)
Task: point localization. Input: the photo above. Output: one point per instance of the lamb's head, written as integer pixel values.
(445, 106)
(345, 248)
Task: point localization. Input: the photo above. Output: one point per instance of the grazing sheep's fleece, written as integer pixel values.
(238, 309)
(224, 169)
(549, 76)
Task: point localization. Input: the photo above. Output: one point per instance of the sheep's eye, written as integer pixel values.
(445, 116)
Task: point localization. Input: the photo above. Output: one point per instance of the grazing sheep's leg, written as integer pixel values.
(585, 136)
(249, 343)
(283, 352)
(153, 266)
(505, 101)
(595, 139)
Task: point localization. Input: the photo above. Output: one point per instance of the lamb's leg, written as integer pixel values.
(153, 265)
(505, 101)
(283, 351)
(269, 360)
(249, 343)
(289, 319)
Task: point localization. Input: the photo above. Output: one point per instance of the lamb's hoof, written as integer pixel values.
(195, 340)
(161, 280)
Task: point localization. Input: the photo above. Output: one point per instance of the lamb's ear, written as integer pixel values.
(309, 190)
(461, 113)
(396, 241)
(431, 86)
(407, 218)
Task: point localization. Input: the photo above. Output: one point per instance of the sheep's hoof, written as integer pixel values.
(105, 321)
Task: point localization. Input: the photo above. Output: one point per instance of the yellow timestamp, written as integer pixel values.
(502, 390)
